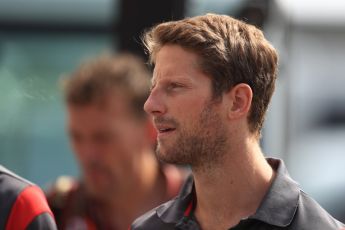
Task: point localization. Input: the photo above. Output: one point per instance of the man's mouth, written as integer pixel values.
(165, 130)
(164, 126)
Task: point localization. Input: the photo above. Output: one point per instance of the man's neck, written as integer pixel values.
(233, 189)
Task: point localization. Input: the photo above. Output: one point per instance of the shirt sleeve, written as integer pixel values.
(42, 222)
(31, 211)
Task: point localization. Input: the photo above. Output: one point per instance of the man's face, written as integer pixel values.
(188, 122)
(106, 140)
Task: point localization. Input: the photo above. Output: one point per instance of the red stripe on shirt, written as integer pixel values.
(30, 203)
(188, 209)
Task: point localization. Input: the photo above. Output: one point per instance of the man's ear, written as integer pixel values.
(240, 98)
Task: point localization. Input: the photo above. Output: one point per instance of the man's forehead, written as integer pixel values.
(171, 77)
(159, 74)
(173, 73)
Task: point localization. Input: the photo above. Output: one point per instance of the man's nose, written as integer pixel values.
(88, 150)
(154, 104)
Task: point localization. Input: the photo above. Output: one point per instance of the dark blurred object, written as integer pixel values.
(136, 15)
(332, 115)
(254, 12)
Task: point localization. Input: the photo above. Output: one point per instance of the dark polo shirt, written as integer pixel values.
(285, 206)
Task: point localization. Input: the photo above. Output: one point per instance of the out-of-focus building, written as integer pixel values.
(39, 42)
(306, 122)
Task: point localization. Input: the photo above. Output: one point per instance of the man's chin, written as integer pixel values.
(170, 157)
(162, 154)
(96, 185)
(98, 192)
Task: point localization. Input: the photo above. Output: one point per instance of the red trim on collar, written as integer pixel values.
(188, 209)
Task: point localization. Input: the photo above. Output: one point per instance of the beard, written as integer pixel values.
(201, 145)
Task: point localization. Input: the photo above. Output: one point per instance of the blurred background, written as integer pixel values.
(42, 40)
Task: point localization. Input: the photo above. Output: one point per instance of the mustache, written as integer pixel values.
(165, 121)
(96, 166)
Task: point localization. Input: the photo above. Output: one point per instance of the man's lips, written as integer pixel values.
(164, 126)
(164, 129)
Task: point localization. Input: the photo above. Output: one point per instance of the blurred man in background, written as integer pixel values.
(112, 140)
(22, 204)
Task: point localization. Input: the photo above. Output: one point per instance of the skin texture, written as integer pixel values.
(179, 86)
(106, 148)
(211, 134)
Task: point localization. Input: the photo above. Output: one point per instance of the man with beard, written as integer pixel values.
(212, 82)
(112, 139)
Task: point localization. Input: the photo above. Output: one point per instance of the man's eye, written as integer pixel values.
(75, 137)
(173, 86)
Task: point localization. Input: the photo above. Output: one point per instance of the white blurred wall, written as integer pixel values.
(305, 124)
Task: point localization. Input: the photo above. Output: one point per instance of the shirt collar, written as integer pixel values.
(277, 208)
(280, 203)
(173, 211)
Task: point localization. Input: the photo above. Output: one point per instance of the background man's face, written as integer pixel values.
(106, 140)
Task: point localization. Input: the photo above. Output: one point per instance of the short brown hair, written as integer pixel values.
(95, 80)
(230, 52)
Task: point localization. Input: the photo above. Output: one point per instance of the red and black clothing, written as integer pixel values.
(22, 204)
(75, 209)
(285, 206)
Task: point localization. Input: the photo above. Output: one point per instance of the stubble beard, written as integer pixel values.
(201, 146)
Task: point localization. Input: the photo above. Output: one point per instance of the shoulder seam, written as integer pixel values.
(11, 174)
